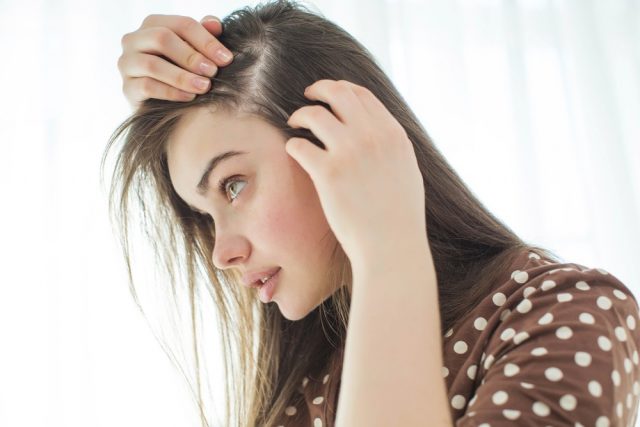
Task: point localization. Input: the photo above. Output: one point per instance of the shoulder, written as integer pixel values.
(557, 341)
(550, 301)
(543, 294)
(535, 285)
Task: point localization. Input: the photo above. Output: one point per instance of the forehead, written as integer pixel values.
(201, 133)
(207, 125)
(204, 132)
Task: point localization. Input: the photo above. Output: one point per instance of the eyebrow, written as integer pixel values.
(203, 186)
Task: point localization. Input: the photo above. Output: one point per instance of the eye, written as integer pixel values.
(222, 186)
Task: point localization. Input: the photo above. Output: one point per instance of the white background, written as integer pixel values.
(535, 103)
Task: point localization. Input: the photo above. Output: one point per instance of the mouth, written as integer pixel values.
(260, 282)
(267, 289)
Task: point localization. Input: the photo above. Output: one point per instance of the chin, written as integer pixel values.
(294, 315)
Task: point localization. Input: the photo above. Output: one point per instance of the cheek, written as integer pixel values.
(282, 225)
(291, 224)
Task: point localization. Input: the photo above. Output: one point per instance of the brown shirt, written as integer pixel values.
(555, 344)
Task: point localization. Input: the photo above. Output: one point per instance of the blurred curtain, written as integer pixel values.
(536, 104)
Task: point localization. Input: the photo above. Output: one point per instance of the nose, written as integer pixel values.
(229, 251)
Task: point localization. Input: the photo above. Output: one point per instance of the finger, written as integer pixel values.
(213, 24)
(162, 41)
(338, 94)
(376, 109)
(321, 122)
(309, 156)
(144, 65)
(143, 88)
(193, 33)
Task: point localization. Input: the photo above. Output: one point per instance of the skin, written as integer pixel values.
(270, 217)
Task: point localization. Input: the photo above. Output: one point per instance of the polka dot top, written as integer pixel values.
(552, 345)
(317, 398)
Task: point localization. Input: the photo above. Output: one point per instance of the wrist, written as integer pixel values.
(392, 256)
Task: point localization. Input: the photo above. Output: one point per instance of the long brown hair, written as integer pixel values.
(280, 48)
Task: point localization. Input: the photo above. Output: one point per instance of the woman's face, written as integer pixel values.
(270, 215)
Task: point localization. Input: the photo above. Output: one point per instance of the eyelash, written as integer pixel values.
(222, 185)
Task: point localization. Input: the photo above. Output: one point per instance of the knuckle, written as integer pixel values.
(173, 93)
(125, 39)
(312, 112)
(356, 88)
(344, 84)
(186, 23)
(316, 111)
(335, 89)
(183, 79)
(148, 20)
(142, 86)
(161, 37)
(363, 91)
(148, 64)
(193, 59)
(120, 63)
(145, 87)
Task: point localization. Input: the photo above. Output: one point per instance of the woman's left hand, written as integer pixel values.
(368, 181)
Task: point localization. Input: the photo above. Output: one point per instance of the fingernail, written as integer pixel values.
(211, 18)
(186, 96)
(208, 68)
(200, 83)
(224, 54)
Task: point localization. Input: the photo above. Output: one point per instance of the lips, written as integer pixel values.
(266, 291)
(254, 280)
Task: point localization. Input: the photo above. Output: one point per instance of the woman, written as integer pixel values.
(399, 298)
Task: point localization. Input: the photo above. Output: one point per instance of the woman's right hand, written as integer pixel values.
(162, 59)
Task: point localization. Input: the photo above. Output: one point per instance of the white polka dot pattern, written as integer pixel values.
(557, 344)
(553, 344)
(318, 395)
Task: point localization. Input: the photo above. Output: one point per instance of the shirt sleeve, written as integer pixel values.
(565, 355)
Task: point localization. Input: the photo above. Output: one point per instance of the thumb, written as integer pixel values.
(306, 154)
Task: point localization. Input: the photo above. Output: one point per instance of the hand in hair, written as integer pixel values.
(163, 58)
(368, 181)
